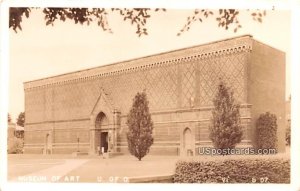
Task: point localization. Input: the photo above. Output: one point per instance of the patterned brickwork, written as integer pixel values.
(231, 69)
(162, 132)
(180, 86)
(35, 137)
(34, 106)
(188, 83)
(61, 132)
(169, 86)
(167, 126)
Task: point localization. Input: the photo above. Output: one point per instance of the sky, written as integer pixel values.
(40, 51)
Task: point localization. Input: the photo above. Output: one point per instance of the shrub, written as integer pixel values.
(15, 145)
(226, 130)
(259, 170)
(266, 131)
(140, 126)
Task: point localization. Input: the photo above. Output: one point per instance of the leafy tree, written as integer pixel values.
(140, 126)
(15, 145)
(21, 119)
(225, 130)
(137, 17)
(225, 18)
(8, 118)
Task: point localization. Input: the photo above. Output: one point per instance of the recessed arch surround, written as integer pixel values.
(187, 143)
(48, 144)
(103, 125)
(187, 139)
(103, 106)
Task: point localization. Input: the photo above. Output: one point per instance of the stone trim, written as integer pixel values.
(84, 143)
(159, 122)
(220, 48)
(153, 146)
(58, 121)
(57, 129)
(34, 144)
(152, 113)
(210, 142)
(34, 130)
(156, 142)
(188, 110)
(57, 144)
(187, 121)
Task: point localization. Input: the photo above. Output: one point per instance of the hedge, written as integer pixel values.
(257, 170)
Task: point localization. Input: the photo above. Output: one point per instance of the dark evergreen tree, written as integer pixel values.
(140, 126)
(8, 118)
(266, 131)
(226, 129)
(21, 119)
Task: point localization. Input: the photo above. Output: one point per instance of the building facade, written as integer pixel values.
(87, 110)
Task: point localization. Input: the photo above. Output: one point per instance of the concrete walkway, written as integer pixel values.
(123, 168)
(96, 169)
(53, 174)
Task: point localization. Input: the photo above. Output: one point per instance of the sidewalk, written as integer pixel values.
(95, 169)
(52, 174)
(122, 168)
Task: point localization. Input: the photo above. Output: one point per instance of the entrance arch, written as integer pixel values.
(102, 139)
(101, 121)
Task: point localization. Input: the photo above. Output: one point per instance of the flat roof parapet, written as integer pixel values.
(212, 49)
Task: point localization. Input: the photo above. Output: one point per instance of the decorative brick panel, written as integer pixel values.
(76, 100)
(178, 79)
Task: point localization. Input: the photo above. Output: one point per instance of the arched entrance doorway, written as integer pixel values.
(187, 142)
(47, 146)
(102, 138)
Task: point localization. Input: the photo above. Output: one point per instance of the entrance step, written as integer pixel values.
(75, 154)
(114, 154)
(111, 154)
(105, 155)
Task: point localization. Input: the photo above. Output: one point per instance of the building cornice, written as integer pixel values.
(200, 52)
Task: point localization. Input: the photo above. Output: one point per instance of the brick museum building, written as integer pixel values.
(87, 110)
